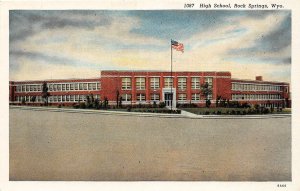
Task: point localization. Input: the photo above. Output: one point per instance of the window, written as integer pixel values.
(168, 82)
(126, 97)
(195, 83)
(72, 98)
(63, 87)
(18, 88)
(85, 86)
(80, 86)
(140, 97)
(181, 97)
(72, 86)
(140, 83)
(154, 83)
(54, 87)
(50, 87)
(76, 86)
(209, 80)
(54, 98)
(98, 86)
(82, 97)
(181, 83)
(91, 86)
(27, 88)
(195, 97)
(126, 83)
(99, 97)
(155, 97)
(209, 96)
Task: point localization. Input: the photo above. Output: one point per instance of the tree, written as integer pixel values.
(118, 94)
(88, 101)
(23, 100)
(96, 103)
(206, 90)
(45, 93)
(218, 101)
(33, 98)
(120, 102)
(105, 102)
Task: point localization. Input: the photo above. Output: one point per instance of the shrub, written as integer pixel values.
(154, 104)
(162, 105)
(266, 111)
(75, 106)
(82, 105)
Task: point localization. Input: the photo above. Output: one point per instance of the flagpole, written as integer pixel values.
(171, 77)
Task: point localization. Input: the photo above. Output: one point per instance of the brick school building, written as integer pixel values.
(147, 87)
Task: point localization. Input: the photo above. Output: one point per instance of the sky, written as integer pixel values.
(80, 43)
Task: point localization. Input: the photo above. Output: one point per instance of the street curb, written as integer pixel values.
(141, 114)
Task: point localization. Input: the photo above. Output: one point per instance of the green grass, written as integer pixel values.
(200, 111)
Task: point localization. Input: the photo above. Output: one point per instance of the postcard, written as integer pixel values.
(128, 95)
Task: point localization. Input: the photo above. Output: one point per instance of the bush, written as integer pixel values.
(82, 105)
(266, 111)
(162, 105)
(75, 106)
(154, 104)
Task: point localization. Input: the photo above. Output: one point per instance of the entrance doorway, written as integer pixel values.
(168, 99)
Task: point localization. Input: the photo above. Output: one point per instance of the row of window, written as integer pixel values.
(52, 87)
(156, 97)
(255, 87)
(168, 82)
(256, 96)
(56, 98)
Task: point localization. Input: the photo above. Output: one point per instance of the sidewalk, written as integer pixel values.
(184, 114)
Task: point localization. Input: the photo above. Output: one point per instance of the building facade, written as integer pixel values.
(149, 87)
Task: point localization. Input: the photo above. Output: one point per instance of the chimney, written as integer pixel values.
(259, 78)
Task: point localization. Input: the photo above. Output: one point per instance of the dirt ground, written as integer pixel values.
(47, 145)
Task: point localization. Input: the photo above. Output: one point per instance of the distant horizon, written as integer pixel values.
(62, 44)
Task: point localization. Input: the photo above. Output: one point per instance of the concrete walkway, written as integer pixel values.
(184, 114)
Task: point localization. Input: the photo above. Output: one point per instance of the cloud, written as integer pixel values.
(26, 23)
(235, 41)
(34, 70)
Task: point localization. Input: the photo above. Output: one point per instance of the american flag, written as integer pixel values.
(177, 46)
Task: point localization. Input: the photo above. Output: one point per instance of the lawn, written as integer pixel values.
(222, 110)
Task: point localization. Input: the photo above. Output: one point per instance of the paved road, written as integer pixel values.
(48, 145)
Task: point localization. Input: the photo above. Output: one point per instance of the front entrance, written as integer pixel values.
(168, 99)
